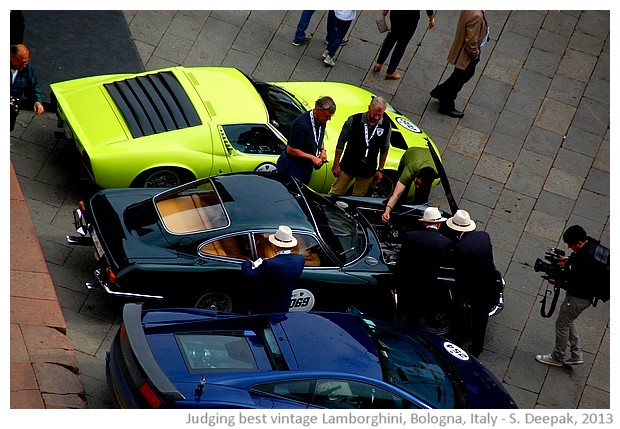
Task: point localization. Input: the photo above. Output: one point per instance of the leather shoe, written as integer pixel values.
(453, 113)
(434, 94)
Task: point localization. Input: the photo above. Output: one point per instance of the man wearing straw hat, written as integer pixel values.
(421, 255)
(475, 281)
(276, 276)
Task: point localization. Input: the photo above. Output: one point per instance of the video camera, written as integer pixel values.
(552, 270)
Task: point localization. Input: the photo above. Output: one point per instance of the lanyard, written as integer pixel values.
(369, 138)
(316, 136)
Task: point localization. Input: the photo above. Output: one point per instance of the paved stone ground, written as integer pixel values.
(530, 157)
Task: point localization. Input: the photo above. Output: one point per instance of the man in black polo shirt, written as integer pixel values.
(305, 151)
(364, 138)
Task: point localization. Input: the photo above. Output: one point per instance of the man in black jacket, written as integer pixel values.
(364, 138)
(476, 288)
(583, 270)
(422, 254)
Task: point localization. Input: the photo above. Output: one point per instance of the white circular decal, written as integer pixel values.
(455, 351)
(301, 300)
(408, 124)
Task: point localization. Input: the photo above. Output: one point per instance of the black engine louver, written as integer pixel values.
(154, 103)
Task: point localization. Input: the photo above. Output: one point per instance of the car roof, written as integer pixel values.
(319, 341)
(274, 205)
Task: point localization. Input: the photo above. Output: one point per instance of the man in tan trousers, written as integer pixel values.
(472, 32)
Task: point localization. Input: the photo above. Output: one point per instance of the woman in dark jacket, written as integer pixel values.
(403, 25)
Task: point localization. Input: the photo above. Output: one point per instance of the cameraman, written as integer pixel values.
(582, 269)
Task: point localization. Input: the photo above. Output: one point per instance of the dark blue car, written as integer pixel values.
(193, 358)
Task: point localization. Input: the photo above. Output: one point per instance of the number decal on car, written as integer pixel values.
(408, 124)
(301, 300)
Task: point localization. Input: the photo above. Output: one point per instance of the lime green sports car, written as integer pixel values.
(166, 127)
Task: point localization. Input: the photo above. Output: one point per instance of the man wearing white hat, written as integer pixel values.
(475, 280)
(276, 276)
(421, 255)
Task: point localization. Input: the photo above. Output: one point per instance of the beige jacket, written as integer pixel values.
(470, 32)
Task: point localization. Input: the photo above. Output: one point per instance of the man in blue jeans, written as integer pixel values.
(302, 26)
(338, 23)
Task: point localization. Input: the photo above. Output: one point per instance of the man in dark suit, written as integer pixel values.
(276, 277)
(476, 287)
(417, 268)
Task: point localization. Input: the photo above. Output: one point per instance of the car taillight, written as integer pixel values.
(82, 206)
(149, 394)
(111, 275)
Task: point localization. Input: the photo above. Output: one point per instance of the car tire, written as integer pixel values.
(214, 300)
(383, 189)
(162, 178)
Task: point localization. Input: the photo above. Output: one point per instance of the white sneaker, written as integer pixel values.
(329, 61)
(325, 54)
(549, 360)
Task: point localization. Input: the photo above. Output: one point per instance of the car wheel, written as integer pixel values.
(162, 178)
(266, 167)
(217, 301)
(383, 189)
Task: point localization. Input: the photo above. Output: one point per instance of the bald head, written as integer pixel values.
(20, 56)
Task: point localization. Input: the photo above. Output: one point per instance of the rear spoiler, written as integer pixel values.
(132, 318)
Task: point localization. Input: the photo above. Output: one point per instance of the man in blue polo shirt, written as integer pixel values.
(305, 151)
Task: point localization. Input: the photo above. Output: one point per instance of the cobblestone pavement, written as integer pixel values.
(530, 157)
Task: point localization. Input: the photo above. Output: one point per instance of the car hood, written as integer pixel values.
(481, 388)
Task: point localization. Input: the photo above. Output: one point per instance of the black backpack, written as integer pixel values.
(602, 282)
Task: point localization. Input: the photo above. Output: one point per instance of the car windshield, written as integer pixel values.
(340, 229)
(283, 108)
(411, 365)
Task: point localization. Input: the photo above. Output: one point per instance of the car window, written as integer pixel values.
(216, 351)
(255, 139)
(307, 245)
(282, 107)
(340, 393)
(236, 247)
(191, 211)
(338, 228)
(297, 390)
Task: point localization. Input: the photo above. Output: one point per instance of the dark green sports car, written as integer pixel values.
(184, 246)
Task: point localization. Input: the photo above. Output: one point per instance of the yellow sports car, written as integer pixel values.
(166, 127)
